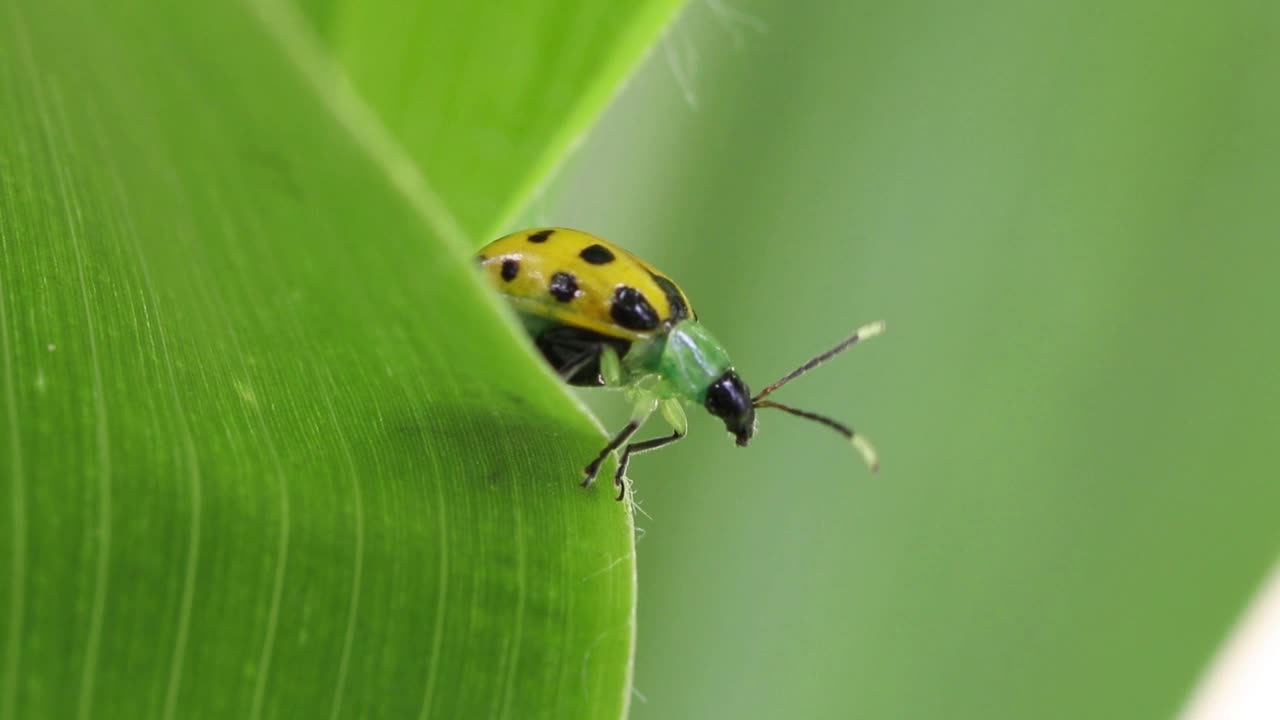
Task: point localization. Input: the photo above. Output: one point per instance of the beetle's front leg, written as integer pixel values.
(638, 417)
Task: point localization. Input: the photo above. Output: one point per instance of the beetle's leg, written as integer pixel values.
(610, 366)
(577, 362)
(642, 412)
(590, 471)
(619, 478)
(673, 413)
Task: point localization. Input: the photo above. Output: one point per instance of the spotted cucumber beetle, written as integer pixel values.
(603, 317)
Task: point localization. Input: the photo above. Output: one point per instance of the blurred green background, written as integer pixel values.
(1068, 216)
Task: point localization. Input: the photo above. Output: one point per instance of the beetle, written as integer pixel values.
(603, 317)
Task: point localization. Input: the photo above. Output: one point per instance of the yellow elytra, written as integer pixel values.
(575, 278)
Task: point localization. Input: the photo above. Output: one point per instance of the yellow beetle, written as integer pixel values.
(603, 317)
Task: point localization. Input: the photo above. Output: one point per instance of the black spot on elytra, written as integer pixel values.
(540, 236)
(510, 268)
(679, 309)
(564, 287)
(596, 255)
(631, 310)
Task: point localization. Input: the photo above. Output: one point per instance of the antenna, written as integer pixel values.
(861, 444)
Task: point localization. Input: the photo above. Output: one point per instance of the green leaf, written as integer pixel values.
(267, 446)
(490, 94)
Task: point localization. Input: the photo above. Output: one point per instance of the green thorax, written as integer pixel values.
(682, 362)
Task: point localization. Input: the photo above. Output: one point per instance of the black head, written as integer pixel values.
(729, 399)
